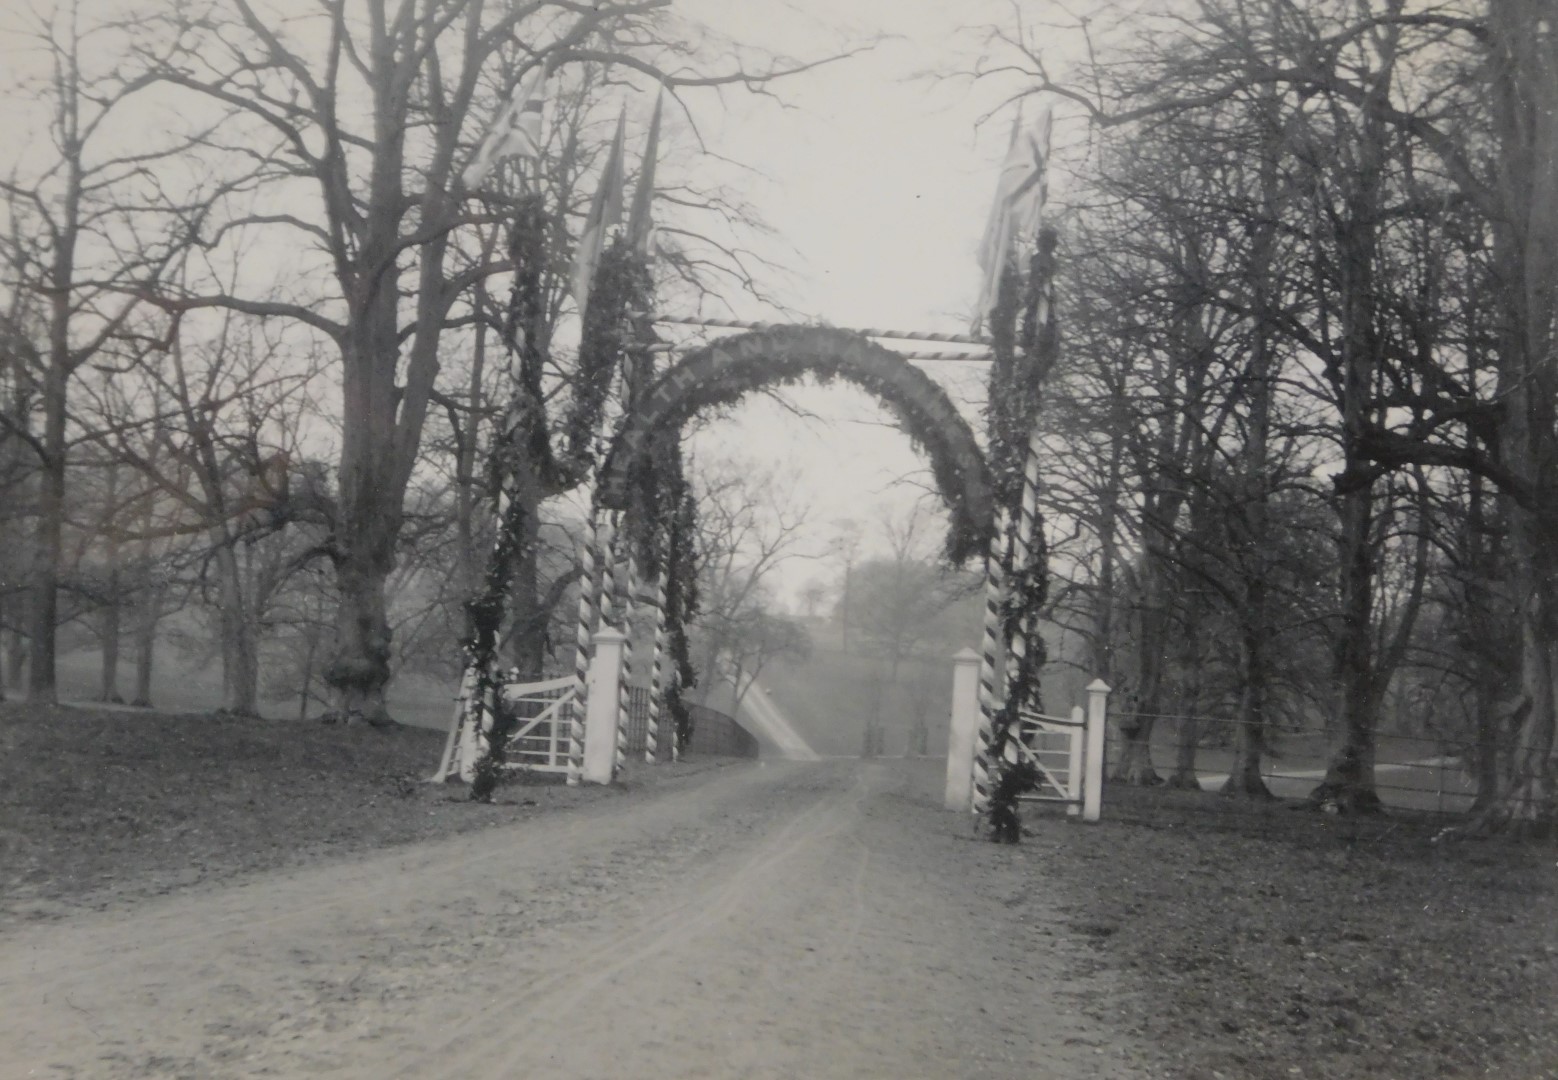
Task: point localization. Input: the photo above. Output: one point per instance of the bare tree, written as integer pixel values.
(373, 120)
(750, 521)
(90, 230)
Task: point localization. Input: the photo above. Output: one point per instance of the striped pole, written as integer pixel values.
(583, 628)
(915, 354)
(870, 331)
(995, 599)
(983, 357)
(625, 687)
(1022, 561)
(652, 737)
(1027, 518)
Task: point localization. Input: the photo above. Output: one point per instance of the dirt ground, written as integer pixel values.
(784, 920)
(203, 896)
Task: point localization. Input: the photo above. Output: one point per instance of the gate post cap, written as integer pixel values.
(609, 636)
(965, 656)
(1097, 686)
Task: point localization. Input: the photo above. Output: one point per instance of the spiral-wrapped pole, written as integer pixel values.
(1022, 564)
(583, 628)
(989, 656)
(625, 686)
(656, 660)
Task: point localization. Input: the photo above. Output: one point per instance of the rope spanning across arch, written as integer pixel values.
(722, 372)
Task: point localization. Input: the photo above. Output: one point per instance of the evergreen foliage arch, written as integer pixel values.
(724, 371)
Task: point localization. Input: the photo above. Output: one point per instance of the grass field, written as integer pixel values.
(99, 805)
(179, 685)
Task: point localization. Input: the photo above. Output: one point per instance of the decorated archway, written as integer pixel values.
(635, 549)
(723, 372)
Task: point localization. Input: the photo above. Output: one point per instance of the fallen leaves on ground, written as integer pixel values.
(100, 806)
(1272, 942)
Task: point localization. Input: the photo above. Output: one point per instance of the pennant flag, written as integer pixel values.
(516, 131)
(641, 222)
(1018, 210)
(605, 211)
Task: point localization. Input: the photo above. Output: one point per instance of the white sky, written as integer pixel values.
(880, 181)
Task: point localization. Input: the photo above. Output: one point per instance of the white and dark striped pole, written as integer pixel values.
(584, 628)
(989, 659)
(1022, 564)
(656, 660)
(867, 331)
(629, 570)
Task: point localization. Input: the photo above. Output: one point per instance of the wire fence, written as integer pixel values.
(714, 734)
(1431, 773)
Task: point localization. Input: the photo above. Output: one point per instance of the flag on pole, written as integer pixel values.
(1020, 196)
(515, 132)
(605, 211)
(641, 223)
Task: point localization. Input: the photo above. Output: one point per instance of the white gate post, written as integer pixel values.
(964, 731)
(1092, 786)
(601, 707)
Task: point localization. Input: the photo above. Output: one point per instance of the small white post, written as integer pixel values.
(602, 712)
(964, 731)
(1092, 786)
(1074, 757)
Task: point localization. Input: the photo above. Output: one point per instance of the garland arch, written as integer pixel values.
(724, 371)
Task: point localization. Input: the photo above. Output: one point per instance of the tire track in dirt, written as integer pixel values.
(801, 920)
(555, 996)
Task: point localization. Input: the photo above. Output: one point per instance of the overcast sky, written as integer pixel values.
(879, 181)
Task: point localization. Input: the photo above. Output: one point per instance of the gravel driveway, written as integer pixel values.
(792, 920)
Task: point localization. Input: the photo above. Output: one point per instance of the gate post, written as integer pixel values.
(964, 731)
(1092, 786)
(601, 707)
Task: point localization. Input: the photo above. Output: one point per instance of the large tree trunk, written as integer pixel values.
(1249, 740)
(1187, 739)
(43, 606)
(148, 618)
(1523, 61)
(360, 672)
(370, 514)
(240, 655)
(1251, 528)
(113, 603)
(1134, 765)
(1349, 779)
(109, 631)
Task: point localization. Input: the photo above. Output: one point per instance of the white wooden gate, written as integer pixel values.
(539, 743)
(1068, 751)
(1056, 747)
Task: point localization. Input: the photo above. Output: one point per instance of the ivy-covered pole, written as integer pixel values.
(1016, 371)
(993, 688)
(681, 607)
(486, 725)
(1028, 585)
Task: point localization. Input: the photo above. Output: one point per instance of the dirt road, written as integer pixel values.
(794, 920)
